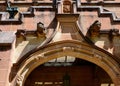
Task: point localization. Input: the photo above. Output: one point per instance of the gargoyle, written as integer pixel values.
(94, 29)
(112, 33)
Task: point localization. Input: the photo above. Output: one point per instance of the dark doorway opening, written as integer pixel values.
(80, 72)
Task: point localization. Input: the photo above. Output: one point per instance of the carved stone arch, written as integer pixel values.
(71, 48)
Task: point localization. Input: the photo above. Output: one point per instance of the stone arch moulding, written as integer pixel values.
(72, 48)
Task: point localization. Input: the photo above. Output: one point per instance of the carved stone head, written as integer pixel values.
(66, 6)
(95, 28)
(40, 27)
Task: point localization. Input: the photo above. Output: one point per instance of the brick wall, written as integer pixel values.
(5, 63)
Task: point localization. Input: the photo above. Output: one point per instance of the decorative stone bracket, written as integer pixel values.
(21, 33)
(112, 33)
(40, 29)
(40, 32)
(94, 29)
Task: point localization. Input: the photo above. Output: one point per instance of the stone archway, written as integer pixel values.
(72, 48)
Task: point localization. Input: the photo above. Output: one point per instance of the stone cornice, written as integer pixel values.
(103, 3)
(30, 13)
(101, 12)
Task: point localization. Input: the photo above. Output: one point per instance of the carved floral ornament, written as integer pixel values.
(95, 56)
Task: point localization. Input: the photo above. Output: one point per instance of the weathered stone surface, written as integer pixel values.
(7, 37)
(63, 34)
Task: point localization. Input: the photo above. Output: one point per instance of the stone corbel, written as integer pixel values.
(21, 34)
(112, 33)
(40, 32)
(94, 30)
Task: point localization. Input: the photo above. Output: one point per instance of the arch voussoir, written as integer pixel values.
(71, 48)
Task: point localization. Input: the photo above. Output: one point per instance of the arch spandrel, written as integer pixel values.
(71, 48)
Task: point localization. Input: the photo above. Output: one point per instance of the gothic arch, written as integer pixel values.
(72, 48)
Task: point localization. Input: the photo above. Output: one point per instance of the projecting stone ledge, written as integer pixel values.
(6, 38)
(67, 17)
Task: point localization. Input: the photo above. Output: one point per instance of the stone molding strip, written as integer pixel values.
(102, 3)
(29, 13)
(24, 1)
(101, 12)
